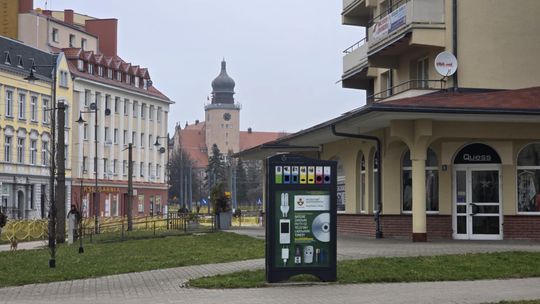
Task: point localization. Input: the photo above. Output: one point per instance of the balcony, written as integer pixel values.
(411, 88)
(356, 12)
(406, 26)
(356, 71)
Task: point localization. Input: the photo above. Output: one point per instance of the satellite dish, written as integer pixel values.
(162, 150)
(446, 63)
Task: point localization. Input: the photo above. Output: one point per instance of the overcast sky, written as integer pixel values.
(284, 55)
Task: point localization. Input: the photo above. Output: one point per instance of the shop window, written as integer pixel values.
(340, 184)
(432, 182)
(361, 194)
(528, 179)
(375, 182)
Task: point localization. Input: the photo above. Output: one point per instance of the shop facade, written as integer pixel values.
(453, 165)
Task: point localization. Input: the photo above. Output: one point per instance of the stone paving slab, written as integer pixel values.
(165, 285)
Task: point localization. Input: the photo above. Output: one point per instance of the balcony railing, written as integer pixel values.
(355, 56)
(355, 46)
(413, 84)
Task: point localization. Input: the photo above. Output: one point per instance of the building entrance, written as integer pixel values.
(477, 213)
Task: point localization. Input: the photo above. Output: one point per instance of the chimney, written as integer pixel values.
(25, 6)
(249, 131)
(47, 13)
(68, 16)
(107, 32)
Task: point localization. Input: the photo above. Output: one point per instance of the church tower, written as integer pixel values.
(223, 115)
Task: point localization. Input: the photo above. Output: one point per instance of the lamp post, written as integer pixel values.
(60, 194)
(94, 109)
(162, 150)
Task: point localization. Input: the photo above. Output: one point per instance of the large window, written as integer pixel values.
(33, 151)
(9, 104)
(20, 150)
(432, 182)
(528, 178)
(7, 148)
(45, 110)
(33, 108)
(362, 194)
(22, 106)
(44, 153)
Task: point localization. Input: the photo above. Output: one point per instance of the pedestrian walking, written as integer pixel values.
(74, 217)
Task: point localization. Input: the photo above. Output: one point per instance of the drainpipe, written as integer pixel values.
(378, 231)
(454, 39)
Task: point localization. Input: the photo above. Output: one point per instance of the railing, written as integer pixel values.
(386, 12)
(355, 46)
(413, 84)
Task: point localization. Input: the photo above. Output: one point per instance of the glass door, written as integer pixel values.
(477, 210)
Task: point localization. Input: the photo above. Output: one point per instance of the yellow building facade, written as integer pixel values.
(25, 127)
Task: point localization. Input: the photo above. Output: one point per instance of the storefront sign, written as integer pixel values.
(101, 190)
(477, 154)
(301, 217)
(381, 27)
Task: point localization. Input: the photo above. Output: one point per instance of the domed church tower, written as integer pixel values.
(223, 115)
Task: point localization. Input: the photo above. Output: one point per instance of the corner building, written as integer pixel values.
(459, 156)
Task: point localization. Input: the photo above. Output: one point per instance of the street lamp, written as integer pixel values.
(60, 159)
(94, 109)
(162, 150)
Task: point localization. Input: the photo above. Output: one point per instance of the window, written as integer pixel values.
(158, 171)
(137, 81)
(159, 114)
(143, 109)
(90, 68)
(151, 113)
(84, 164)
(115, 165)
(7, 149)
(115, 136)
(375, 182)
(142, 140)
(340, 185)
(150, 142)
(83, 44)
(7, 59)
(85, 131)
(422, 69)
(145, 84)
(386, 84)
(105, 166)
(124, 137)
(66, 156)
(128, 79)
(20, 150)
(432, 182)
(126, 104)
(71, 40)
(362, 193)
(45, 110)
(63, 79)
(44, 153)
(100, 70)
(109, 73)
(141, 168)
(95, 164)
(150, 170)
(124, 167)
(55, 35)
(9, 103)
(135, 106)
(528, 178)
(22, 106)
(141, 204)
(118, 75)
(33, 151)
(87, 97)
(20, 63)
(33, 108)
(133, 138)
(116, 104)
(107, 102)
(107, 137)
(80, 65)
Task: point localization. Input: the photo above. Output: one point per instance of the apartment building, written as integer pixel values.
(431, 155)
(119, 104)
(25, 127)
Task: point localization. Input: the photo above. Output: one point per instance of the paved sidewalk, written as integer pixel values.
(25, 245)
(165, 285)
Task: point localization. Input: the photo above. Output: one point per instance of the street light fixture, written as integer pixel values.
(94, 109)
(60, 194)
(162, 150)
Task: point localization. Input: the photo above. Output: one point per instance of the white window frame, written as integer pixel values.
(7, 148)
(33, 108)
(33, 152)
(535, 167)
(21, 106)
(55, 35)
(9, 103)
(44, 153)
(21, 141)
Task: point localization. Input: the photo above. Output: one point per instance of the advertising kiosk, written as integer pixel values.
(300, 217)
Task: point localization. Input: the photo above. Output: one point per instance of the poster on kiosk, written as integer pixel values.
(300, 217)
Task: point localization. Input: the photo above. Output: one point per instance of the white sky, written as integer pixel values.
(284, 55)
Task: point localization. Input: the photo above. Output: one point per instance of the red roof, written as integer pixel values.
(251, 139)
(520, 99)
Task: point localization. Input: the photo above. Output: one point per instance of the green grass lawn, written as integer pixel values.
(408, 269)
(100, 259)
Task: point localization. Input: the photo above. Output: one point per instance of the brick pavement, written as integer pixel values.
(165, 285)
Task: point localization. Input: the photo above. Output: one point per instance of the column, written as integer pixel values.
(419, 219)
(101, 133)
